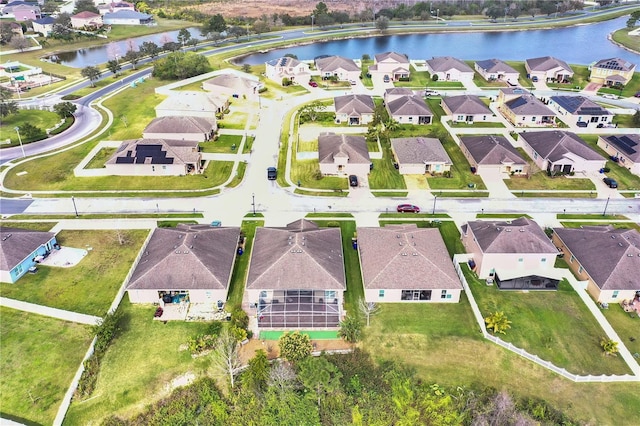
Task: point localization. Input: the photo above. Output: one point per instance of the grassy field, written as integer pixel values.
(623, 225)
(627, 326)
(88, 287)
(41, 119)
(556, 326)
(36, 226)
(241, 267)
(40, 355)
(384, 175)
(579, 81)
(139, 365)
(227, 144)
(622, 36)
(101, 157)
(540, 180)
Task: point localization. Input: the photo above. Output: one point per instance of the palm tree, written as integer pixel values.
(610, 347)
(498, 322)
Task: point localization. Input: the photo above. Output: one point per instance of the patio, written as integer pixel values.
(297, 312)
(64, 257)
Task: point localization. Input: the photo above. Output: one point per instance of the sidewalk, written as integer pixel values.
(49, 312)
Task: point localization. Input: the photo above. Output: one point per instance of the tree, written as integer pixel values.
(64, 109)
(368, 309)
(324, 20)
(514, 11)
(246, 68)
(150, 49)
(92, 73)
(382, 23)
(294, 347)
(498, 322)
(7, 104)
(257, 374)
(31, 132)
(225, 358)
(236, 32)
(61, 32)
(132, 56)
(282, 377)
(609, 346)
(320, 376)
(260, 27)
(321, 9)
(63, 19)
(350, 329)
(171, 46)
(184, 36)
(20, 43)
(143, 7)
(50, 7)
(114, 66)
(215, 24)
(85, 5)
(636, 118)
(6, 32)
(179, 65)
(310, 111)
(494, 11)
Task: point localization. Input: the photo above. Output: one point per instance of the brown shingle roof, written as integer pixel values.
(610, 256)
(491, 149)
(419, 150)
(187, 258)
(335, 63)
(17, 243)
(392, 57)
(528, 104)
(556, 144)
(409, 105)
(546, 63)
(299, 256)
(353, 147)
(181, 124)
(156, 151)
(354, 105)
(405, 257)
(522, 235)
(446, 63)
(466, 104)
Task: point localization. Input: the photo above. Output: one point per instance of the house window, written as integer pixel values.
(535, 155)
(263, 294)
(543, 260)
(594, 119)
(410, 118)
(164, 167)
(533, 119)
(443, 295)
(381, 293)
(520, 260)
(329, 294)
(461, 118)
(153, 168)
(484, 118)
(580, 269)
(615, 294)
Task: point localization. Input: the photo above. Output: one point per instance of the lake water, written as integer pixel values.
(581, 44)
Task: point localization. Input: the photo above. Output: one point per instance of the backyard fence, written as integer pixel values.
(463, 258)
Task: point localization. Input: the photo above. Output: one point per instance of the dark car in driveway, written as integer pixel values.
(313, 83)
(408, 208)
(272, 173)
(353, 180)
(611, 183)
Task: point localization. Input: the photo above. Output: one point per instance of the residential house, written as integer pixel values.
(343, 154)
(515, 254)
(420, 155)
(409, 110)
(198, 129)
(580, 111)
(356, 110)
(396, 92)
(296, 276)
(112, 7)
(561, 152)
(495, 152)
(14, 27)
(497, 70)
(337, 66)
(527, 110)
(606, 257)
(394, 65)
(286, 67)
(191, 263)
(44, 25)
(612, 72)
(449, 69)
(548, 69)
(86, 19)
(466, 109)
(233, 84)
(21, 250)
(404, 263)
(155, 157)
(626, 148)
(22, 11)
(127, 17)
(192, 104)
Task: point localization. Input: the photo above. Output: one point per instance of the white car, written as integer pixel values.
(610, 96)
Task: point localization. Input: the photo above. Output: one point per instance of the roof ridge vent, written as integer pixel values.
(498, 228)
(613, 237)
(178, 251)
(414, 254)
(521, 230)
(620, 244)
(630, 255)
(507, 230)
(404, 254)
(6, 237)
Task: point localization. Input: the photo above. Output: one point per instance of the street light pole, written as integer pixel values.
(253, 202)
(17, 129)
(75, 209)
(435, 198)
(312, 18)
(604, 213)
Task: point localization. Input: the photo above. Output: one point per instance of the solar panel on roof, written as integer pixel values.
(625, 143)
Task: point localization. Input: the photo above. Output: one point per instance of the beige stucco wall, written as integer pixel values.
(347, 169)
(145, 169)
(364, 118)
(196, 137)
(410, 119)
(195, 296)
(395, 296)
(624, 160)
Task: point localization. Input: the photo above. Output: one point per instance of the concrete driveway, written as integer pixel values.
(494, 180)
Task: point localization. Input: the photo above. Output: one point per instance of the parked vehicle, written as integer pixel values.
(408, 208)
(313, 84)
(429, 92)
(637, 95)
(386, 79)
(353, 180)
(272, 173)
(534, 79)
(610, 96)
(611, 183)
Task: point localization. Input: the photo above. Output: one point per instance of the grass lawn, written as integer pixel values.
(384, 175)
(41, 119)
(556, 326)
(461, 175)
(101, 157)
(241, 267)
(540, 180)
(40, 355)
(622, 36)
(477, 124)
(625, 179)
(88, 287)
(578, 82)
(605, 221)
(223, 144)
(276, 91)
(627, 326)
(307, 172)
(139, 365)
(36, 226)
(234, 120)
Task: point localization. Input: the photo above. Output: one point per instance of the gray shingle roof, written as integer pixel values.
(127, 14)
(354, 105)
(579, 105)
(528, 105)
(491, 149)
(466, 104)
(446, 63)
(610, 256)
(628, 144)
(521, 235)
(190, 101)
(353, 147)
(546, 63)
(187, 258)
(299, 256)
(233, 81)
(17, 243)
(335, 63)
(405, 257)
(181, 124)
(419, 150)
(408, 105)
(495, 65)
(392, 57)
(556, 144)
(156, 151)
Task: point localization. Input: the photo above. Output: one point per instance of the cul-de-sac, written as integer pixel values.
(373, 212)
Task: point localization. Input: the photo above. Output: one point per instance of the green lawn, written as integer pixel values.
(605, 221)
(36, 226)
(556, 326)
(622, 36)
(627, 326)
(40, 356)
(101, 157)
(227, 144)
(241, 267)
(139, 365)
(579, 81)
(384, 175)
(88, 287)
(629, 89)
(625, 179)
(625, 120)
(540, 180)
(41, 119)
(461, 175)
(477, 124)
